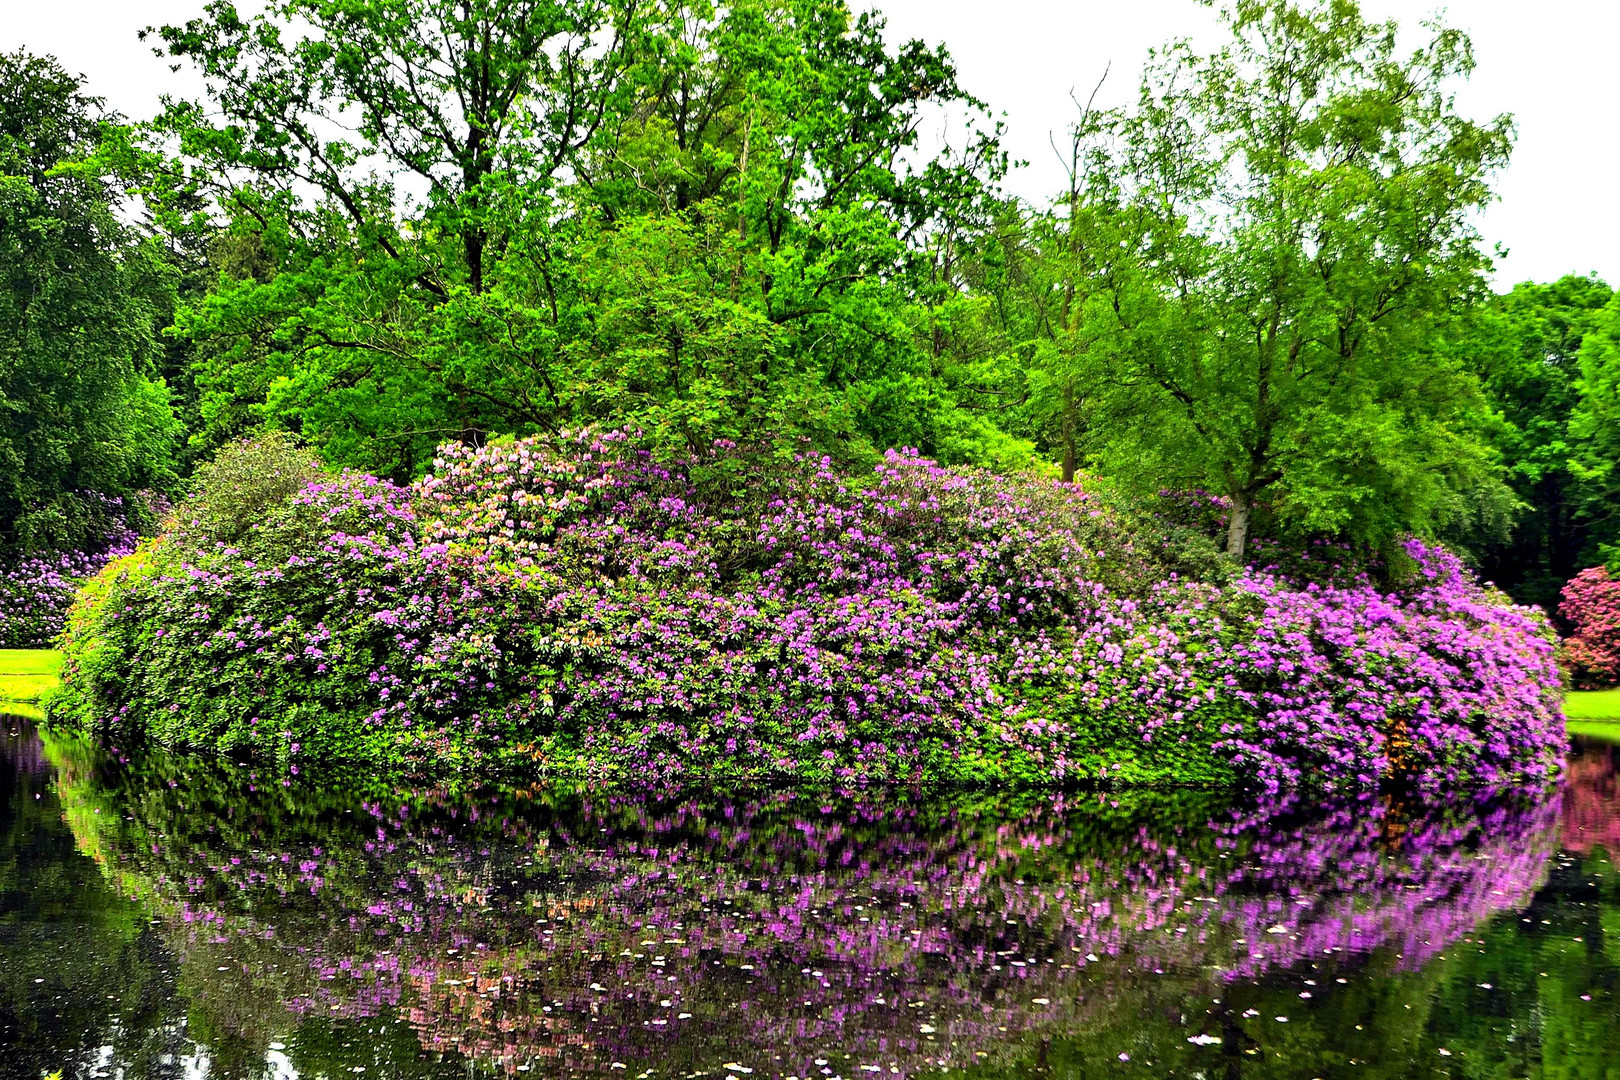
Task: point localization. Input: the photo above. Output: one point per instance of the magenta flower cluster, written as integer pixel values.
(586, 606)
(1591, 606)
(1439, 679)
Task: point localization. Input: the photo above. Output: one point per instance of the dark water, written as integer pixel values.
(175, 918)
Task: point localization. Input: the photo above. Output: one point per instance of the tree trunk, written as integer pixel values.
(473, 246)
(1237, 530)
(1070, 451)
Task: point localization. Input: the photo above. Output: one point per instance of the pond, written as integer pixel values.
(173, 917)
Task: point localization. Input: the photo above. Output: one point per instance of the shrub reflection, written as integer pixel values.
(795, 933)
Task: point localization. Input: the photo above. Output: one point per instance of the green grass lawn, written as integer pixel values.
(25, 674)
(1594, 713)
(1593, 705)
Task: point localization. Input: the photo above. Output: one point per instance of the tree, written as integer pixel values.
(696, 219)
(1088, 299)
(1303, 203)
(1595, 425)
(461, 104)
(1527, 345)
(82, 297)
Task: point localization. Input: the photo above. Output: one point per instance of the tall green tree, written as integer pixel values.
(82, 298)
(1302, 202)
(1081, 296)
(1528, 347)
(1595, 425)
(704, 220)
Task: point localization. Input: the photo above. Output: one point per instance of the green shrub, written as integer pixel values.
(242, 484)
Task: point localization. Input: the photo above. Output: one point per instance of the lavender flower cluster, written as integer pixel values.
(582, 605)
(37, 588)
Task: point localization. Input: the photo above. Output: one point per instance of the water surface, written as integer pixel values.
(174, 917)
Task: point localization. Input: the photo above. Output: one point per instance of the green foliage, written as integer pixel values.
(1527, 346)
(1249, 285)
(389, 225)
(718, 222)
(1595, 423)
(82, 298)
(324, 710)
(698, 220)
(242, 484)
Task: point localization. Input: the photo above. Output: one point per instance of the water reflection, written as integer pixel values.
(234, 927)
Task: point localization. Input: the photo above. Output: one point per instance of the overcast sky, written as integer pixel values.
(1552, 63)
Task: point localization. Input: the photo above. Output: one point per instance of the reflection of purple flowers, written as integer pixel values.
(589, 928)
(581, 604)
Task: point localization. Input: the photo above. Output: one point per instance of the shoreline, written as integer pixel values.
(27, 675)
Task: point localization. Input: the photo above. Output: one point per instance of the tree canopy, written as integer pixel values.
(464, 219)
(1258, 269)
(83, 297)
(390, 224)
(1528, 348)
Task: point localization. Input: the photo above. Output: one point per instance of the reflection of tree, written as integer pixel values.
(568, 929)
(78, 966)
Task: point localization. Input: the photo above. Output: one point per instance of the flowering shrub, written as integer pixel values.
(1591, 605)
(1440, 680)
(582, 605)
(37, 588)
(243, 482)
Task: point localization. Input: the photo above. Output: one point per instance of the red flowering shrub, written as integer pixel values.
(1592, 607)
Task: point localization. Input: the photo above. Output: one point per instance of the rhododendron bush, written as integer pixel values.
(1591, 605)
(579, 605)
(37, 588)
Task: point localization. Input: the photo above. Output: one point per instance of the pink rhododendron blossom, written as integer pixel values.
(1591, 606)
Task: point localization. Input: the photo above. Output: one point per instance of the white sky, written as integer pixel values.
(1552, 63)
